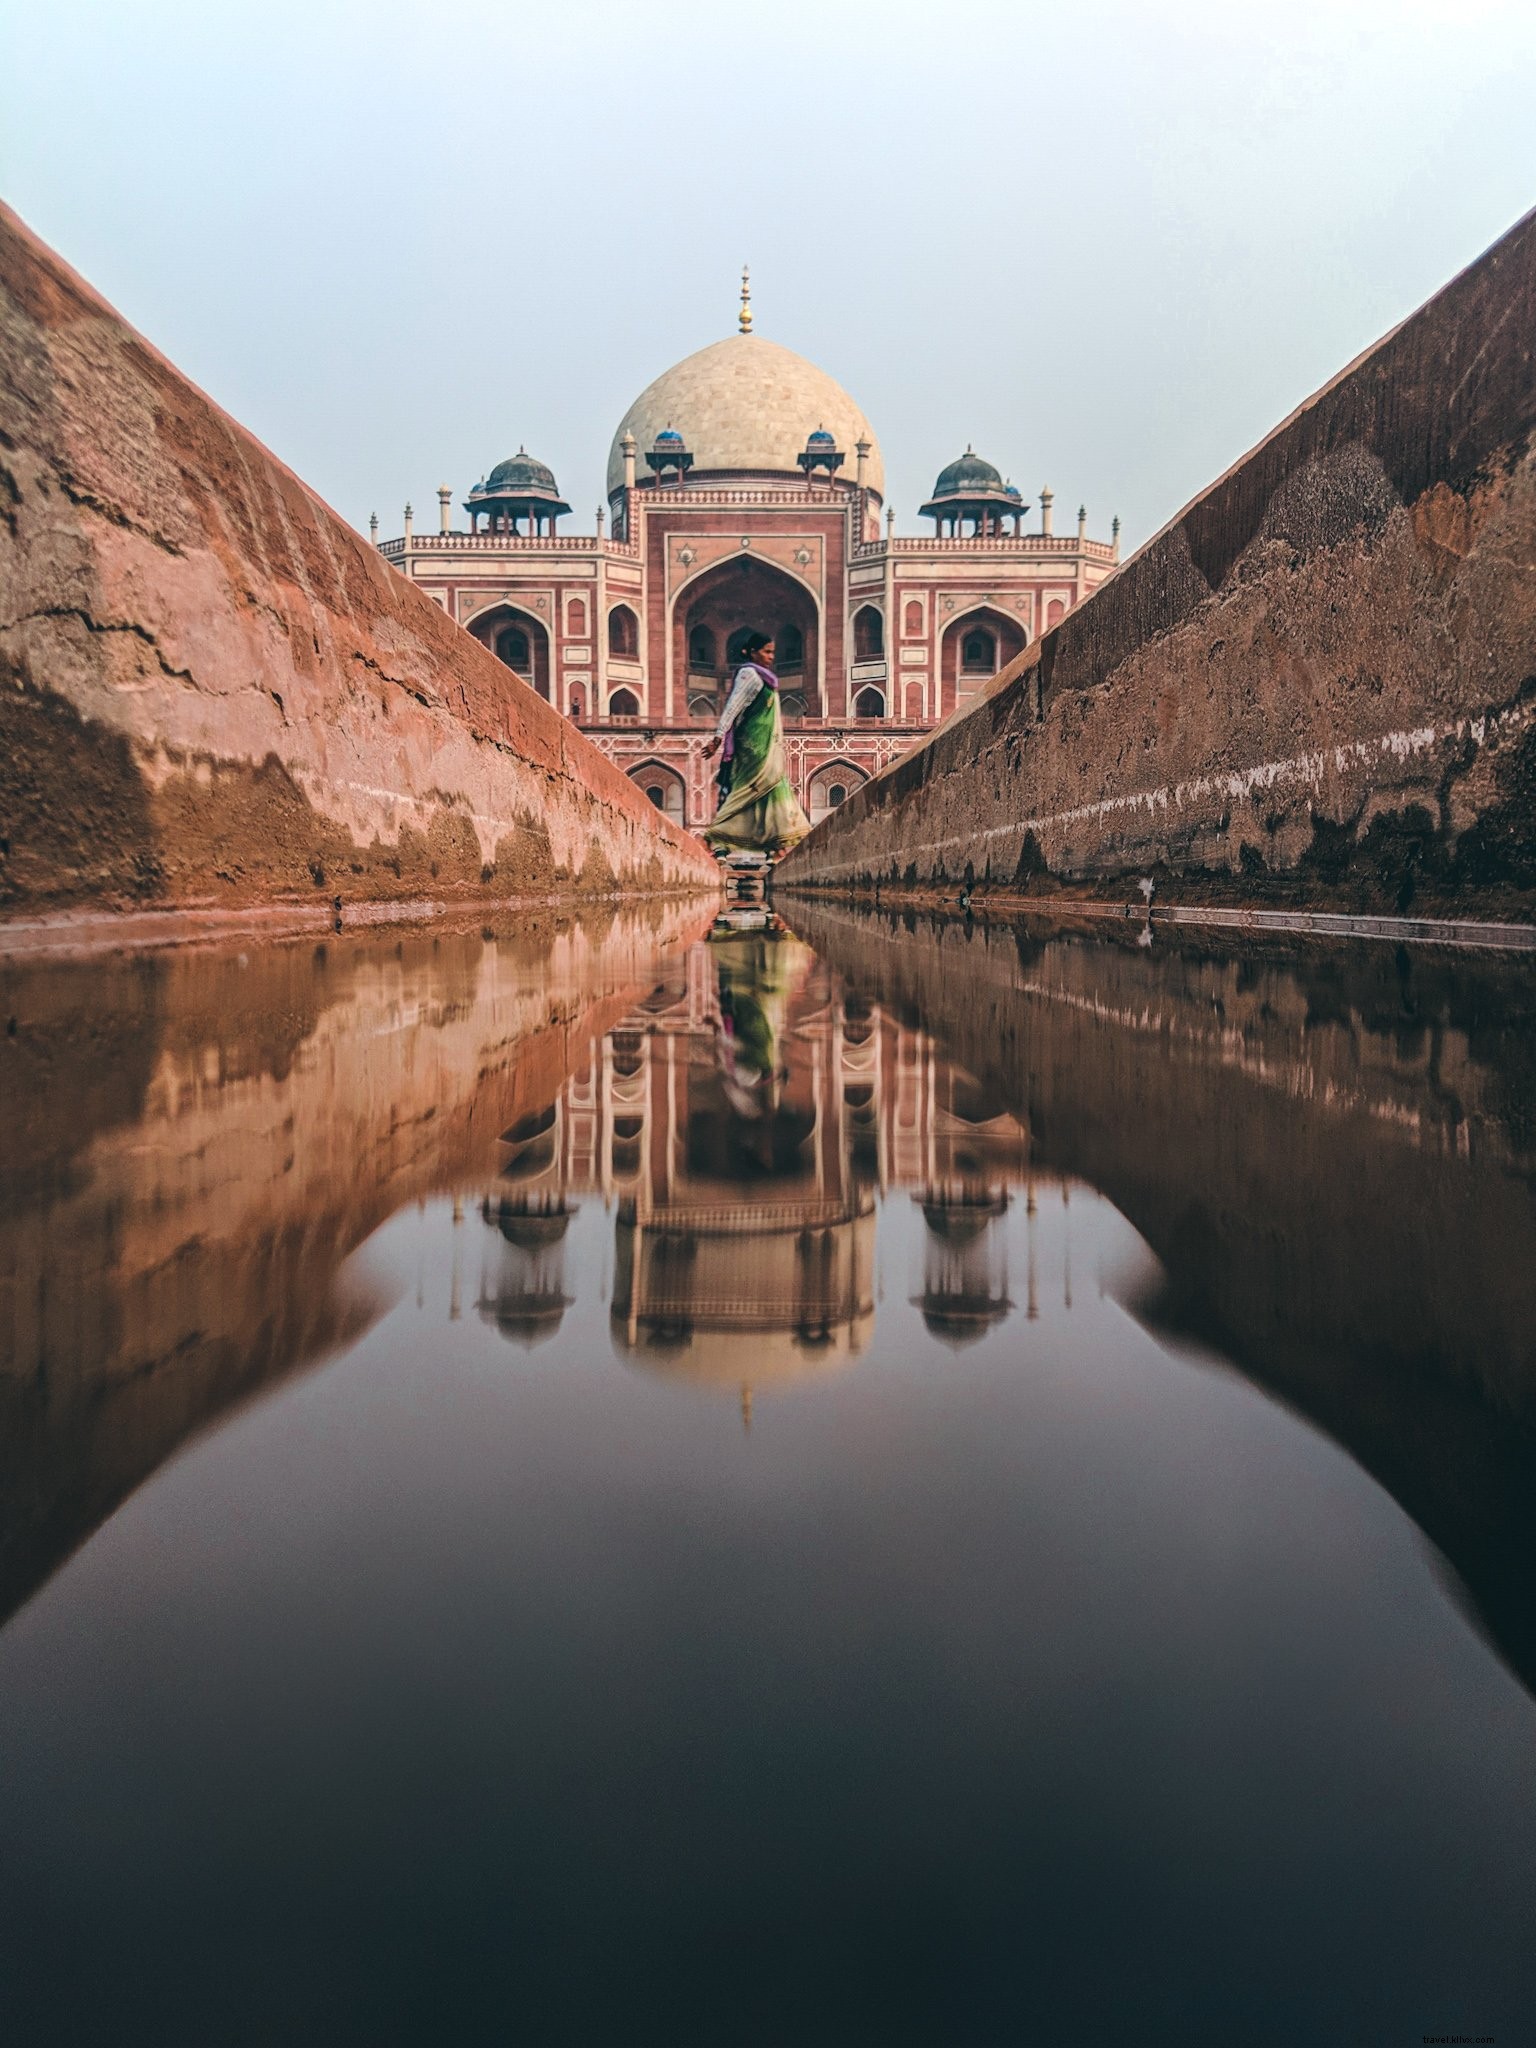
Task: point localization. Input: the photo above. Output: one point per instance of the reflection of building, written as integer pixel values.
(746, 491)
(741, 1122)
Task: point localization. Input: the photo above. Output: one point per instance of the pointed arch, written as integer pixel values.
(831, 785)
(518, 640)
(663, 786)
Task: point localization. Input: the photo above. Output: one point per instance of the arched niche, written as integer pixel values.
(742, 595)
(518, 640)
(869, 702)
(830, 786)
(623, 704)
(623, 634)
(663, 787)
(868, 633)
(975, 646)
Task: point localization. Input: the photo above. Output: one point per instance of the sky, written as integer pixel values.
(1110, 245)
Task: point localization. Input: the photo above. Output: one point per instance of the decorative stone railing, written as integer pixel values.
(508, 544)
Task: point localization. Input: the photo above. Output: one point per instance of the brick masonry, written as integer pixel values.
(214, 693)
(1315, 687)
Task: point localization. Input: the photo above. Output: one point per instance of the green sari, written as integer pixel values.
(761, 813)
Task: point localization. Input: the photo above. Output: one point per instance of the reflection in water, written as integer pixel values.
(742, 1122)
(1035, 1663)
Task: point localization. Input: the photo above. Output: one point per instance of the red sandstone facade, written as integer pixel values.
(749, 526)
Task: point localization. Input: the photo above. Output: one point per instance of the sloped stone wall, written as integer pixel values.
(213, 692)
(1315, 687)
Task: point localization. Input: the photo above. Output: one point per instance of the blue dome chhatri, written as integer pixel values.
(821, 438)
(670, 434)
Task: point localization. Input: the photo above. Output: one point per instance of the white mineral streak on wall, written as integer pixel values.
(1309, 769)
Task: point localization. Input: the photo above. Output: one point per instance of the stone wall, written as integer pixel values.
(1315, 687)
(213, 693)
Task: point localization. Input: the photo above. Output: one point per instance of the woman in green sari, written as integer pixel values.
(759, 812)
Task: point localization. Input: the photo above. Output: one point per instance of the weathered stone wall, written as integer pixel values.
(1317, 686)
(214, 692)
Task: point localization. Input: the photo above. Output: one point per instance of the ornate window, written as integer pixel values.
(869, 703)
(790, 650)
(623, 704)
(836, 793)
(868, 634)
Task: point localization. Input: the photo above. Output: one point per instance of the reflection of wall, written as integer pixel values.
(180, 1250)
(1334, 1156)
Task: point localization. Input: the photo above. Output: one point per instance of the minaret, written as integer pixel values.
(628, 446)
(444, 500)
(1082, 524)
(373, 528)
(1047, 500)
(744, 317)
(407, 525)
(1114, 535)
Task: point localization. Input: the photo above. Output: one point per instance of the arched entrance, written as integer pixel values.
(518, 639)
(974, 648)
(831, 786)
(714, 614)
(663, 786)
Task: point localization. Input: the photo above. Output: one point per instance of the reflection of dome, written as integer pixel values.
(529, 1319)
(745, 404)
(960, 1319)
(962, 1215)
(531, 1229)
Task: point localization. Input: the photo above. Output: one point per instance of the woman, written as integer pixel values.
(758, 810)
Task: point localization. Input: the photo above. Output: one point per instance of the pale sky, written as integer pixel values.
(1109, 244)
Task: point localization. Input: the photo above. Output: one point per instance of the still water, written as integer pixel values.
(869, 1482)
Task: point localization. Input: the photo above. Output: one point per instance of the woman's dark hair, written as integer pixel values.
(754, 644)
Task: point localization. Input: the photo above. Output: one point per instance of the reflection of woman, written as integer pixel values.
(759, 810)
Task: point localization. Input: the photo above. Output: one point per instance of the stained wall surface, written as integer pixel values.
(1316, 686)
(214, 692)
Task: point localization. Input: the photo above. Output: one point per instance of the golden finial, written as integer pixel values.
(744, 317)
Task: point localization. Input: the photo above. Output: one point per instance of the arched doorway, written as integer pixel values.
(518, 640)
(974, 648)
(831, 786)
(663, 786)
(716, 612)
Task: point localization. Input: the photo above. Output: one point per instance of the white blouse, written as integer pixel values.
(745, 691)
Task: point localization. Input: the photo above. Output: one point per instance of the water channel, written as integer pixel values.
(828, 1478)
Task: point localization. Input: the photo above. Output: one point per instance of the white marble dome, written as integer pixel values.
(745, 403)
